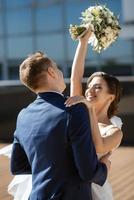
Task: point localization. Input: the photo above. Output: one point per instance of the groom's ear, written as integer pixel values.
(51, 72)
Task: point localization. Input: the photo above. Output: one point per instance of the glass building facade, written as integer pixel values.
(27, 26)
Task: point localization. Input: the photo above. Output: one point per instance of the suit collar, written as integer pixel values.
(52, 95)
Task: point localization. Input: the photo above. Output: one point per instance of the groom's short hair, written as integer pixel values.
(31, 70)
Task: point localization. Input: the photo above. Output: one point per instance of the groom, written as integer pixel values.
(54, 142)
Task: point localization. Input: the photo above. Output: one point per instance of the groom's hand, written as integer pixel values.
(105, 159)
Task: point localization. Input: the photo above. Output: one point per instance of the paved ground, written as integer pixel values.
(121, 175)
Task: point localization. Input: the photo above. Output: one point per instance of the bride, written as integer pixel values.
(101, 98)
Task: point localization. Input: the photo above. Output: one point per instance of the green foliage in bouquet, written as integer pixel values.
(76, 31)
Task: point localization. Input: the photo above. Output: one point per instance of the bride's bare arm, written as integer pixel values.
(78, 66)
(104, 144)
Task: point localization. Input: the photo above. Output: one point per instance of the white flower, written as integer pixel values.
(108, 29)
(90, 9)
(116, 22)
(109, 20)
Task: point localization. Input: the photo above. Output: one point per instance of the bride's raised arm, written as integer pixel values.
(102, 144)
(78, 65)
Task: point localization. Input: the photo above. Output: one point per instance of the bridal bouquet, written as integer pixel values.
(102, 22)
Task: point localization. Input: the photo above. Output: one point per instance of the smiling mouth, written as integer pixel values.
(91, 97)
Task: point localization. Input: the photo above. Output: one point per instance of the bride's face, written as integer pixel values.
(98, 93)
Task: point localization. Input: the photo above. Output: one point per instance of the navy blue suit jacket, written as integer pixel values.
(54, 143)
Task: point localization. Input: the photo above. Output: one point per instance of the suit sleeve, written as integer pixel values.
(19, 161)
(86, 161)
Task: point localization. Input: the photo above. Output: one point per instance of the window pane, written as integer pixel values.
(46, 21)
(1, 56)
(49, 2)
(1, 25)
(120, 51)
(77, 1)
(52, 45)
(74, 11)
(19, 21)
(72, 48)
(1, 49)
(19, 47)
(13, 3)
(13, 71)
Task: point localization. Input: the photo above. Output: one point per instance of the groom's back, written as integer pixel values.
(55, 145)
(42, 130)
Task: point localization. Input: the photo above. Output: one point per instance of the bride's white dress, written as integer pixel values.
(21, 185)
(105, 192)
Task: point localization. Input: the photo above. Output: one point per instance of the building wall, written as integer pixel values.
(27, 26)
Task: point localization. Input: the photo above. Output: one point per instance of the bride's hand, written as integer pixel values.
(86, 36)
(77, 99)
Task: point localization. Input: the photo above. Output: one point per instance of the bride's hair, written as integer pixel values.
(114, 88)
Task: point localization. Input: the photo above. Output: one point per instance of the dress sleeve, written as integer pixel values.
(116, 121)
(6, 151)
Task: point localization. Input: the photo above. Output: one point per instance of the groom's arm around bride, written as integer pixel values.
(86, 161)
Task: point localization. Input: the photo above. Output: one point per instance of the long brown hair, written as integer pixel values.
(114, 87)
